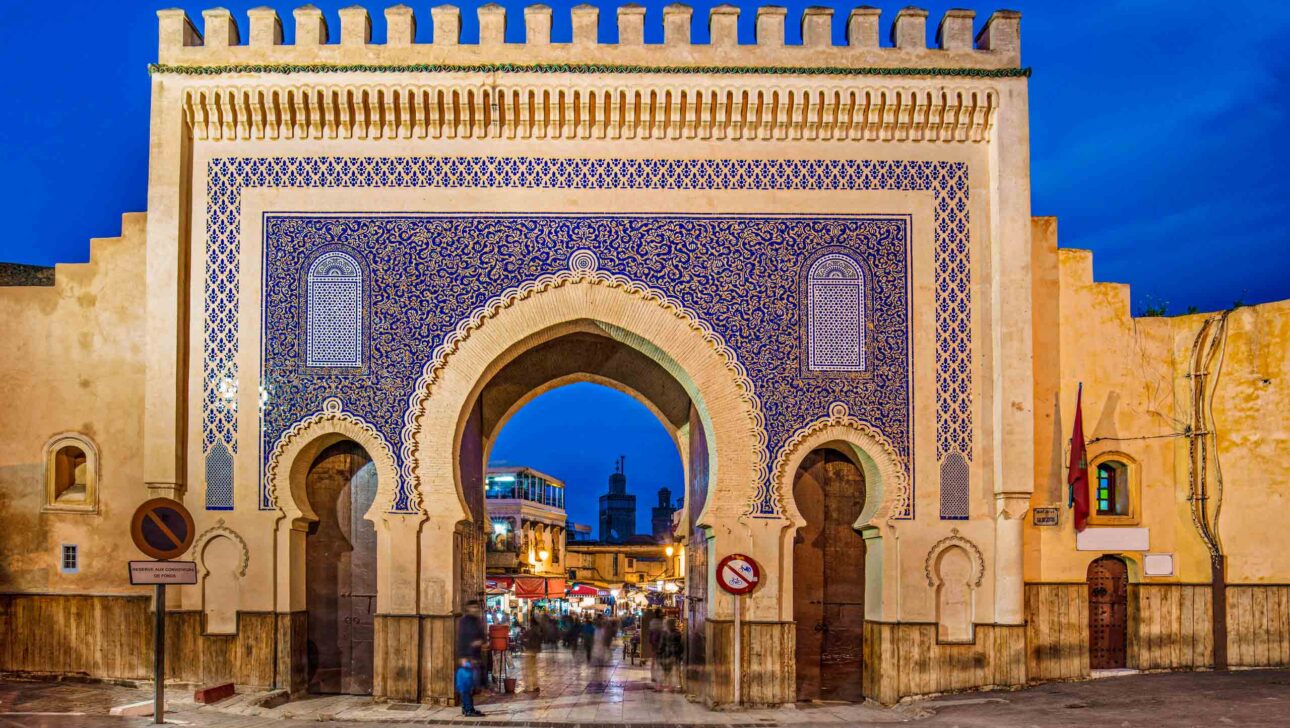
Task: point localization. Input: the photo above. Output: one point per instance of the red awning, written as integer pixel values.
(582, 590)
(528, 587)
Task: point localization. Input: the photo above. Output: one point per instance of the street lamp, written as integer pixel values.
(543, 555)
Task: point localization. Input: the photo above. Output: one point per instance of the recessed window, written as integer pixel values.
(1112, 493)
(71, 474)
(835, 315)
(69, 559)
(334, 312)
(1113, 490)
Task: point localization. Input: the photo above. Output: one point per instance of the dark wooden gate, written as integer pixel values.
(1108, 613)
(828, 578)
(340, 571)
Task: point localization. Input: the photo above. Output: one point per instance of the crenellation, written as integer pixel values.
(355, 26)
(909, 31)
(266, 27)
(219, 28)
(631, 25)
(585, 20)
(770, 25)
(311, 26)
(537, 25)
(1002, 32)
(492, 24)
(862, 27)
(676, 24)
(723, 26)
(955, 30)
(817, 27)
(447, 24)
(220, 43)
(174, 31)
(400, 26)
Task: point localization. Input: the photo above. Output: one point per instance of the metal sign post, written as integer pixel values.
(163, 529)
(738, 575)
(159, 659)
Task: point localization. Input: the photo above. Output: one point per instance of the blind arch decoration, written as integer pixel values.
(334, 312)
(835, 290)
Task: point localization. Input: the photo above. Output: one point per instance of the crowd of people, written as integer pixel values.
(656, 639)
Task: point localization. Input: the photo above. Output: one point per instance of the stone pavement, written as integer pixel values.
(1255, 698)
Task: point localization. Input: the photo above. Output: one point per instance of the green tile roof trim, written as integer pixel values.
(587, 68)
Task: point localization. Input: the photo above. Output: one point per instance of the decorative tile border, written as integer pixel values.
(946, 181)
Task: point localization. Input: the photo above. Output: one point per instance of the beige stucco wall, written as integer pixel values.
(72, 361)
(1137, 402)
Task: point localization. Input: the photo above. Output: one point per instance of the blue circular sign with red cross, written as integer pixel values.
(162, 528)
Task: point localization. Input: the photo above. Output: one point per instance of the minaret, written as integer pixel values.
(661, 516)
(617, 507)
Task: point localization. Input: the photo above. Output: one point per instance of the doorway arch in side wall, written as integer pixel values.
(828, 577)
(340, 571)
(1108, 613)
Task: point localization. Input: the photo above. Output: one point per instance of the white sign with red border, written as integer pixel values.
(738, 574)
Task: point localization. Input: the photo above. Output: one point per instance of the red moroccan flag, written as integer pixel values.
(1077, 476)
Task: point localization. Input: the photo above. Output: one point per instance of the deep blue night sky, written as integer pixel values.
(1157, 137)
(576, 432)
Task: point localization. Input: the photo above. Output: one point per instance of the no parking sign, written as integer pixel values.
(738, 574)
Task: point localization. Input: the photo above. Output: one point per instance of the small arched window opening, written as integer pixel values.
(71, 474)
(835, 314)
(1112, 490)
(334, 312)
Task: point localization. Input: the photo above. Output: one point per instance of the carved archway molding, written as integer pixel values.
(219, 529)
(886, 480)
(951, 541)
(583, 270)
(286, 468)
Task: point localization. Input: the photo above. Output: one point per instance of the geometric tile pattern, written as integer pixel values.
(954, 488)
(333, 315)
(946, 181)
(835, 329)
(219, 479)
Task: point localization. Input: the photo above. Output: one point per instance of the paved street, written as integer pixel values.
(1245, 698)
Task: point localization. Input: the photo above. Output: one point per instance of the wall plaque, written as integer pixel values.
(1045, 516)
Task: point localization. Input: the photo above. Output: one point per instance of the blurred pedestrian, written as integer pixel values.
(470, 652)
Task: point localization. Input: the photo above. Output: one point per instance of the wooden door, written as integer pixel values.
(828, 578)
(340, 572)
(1108, 612)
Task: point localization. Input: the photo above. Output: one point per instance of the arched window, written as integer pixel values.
(835, 311)
(71, 474)
(1113, 490)
(334, 312)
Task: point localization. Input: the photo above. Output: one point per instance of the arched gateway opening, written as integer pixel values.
(580, 351)
(340, 571)
(828, 577)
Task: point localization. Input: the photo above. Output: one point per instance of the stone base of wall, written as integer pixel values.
(110, 637)
(768, 676)
(1170, 627)
(905, 659)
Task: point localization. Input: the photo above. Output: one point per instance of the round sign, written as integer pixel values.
(162, 528)
(738, 574)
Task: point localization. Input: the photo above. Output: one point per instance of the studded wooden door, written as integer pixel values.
(1108, 612)
(828, 578)
(340, 572)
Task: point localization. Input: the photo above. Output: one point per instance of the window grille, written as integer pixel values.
(334, 312)
(836, 315)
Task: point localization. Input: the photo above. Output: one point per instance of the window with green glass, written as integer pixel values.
(1112, 495)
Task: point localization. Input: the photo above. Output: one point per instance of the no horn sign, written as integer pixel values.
(162, 528)
(738, 574)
